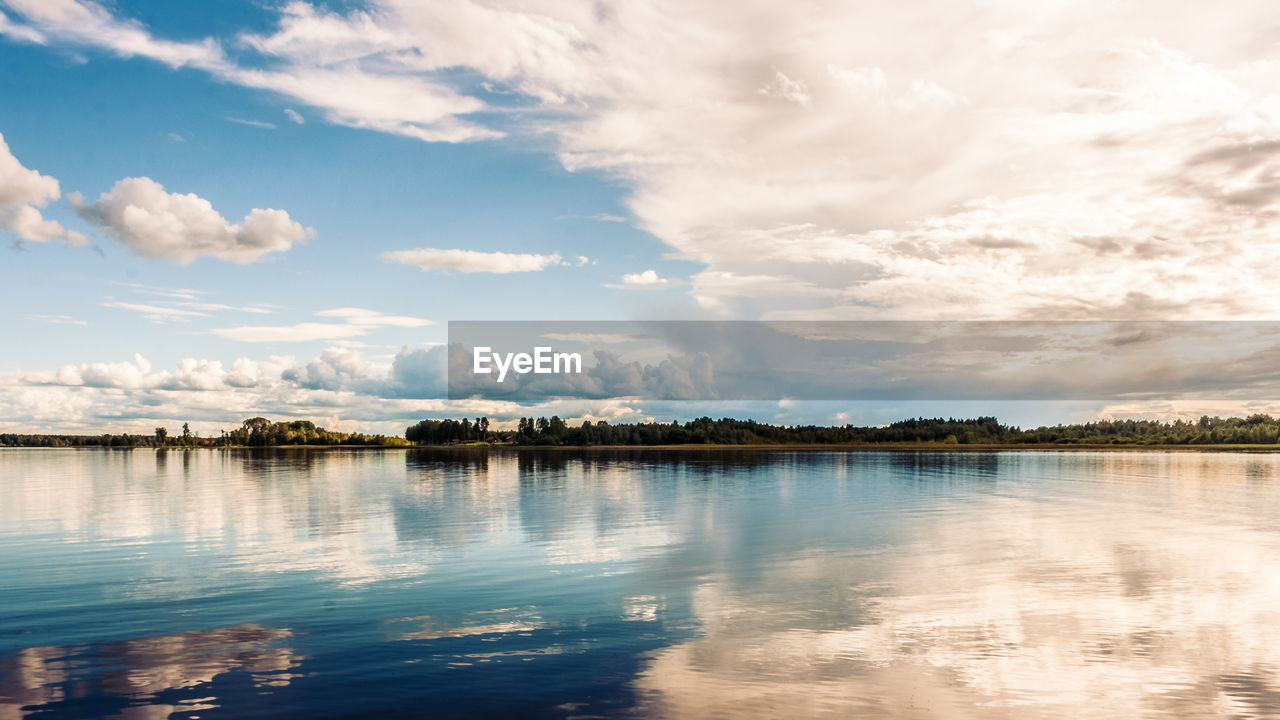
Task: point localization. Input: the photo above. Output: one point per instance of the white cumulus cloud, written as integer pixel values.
(154, 223)
(647, 280)
(22, 192)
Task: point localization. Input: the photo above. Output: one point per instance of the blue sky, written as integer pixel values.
(90, 119)
(232, 177)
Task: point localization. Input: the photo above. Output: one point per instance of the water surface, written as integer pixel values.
(693, 584)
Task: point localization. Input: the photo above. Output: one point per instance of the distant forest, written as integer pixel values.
(261, 432)
(1253, 430)
(254, 432)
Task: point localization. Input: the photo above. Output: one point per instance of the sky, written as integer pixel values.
(213, 211)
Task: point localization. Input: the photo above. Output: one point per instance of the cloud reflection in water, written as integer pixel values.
(147, 677)
(1025, 605)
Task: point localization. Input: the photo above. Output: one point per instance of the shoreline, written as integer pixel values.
(871, 447)
(775, 447)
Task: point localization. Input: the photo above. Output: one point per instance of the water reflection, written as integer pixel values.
(143, 678)
(1025, 604)
(481, 622)
(709, 583)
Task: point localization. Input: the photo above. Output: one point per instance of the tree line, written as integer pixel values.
(1251, 430)
(254, 432)
(260, 432)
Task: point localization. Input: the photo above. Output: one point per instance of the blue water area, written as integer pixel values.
(294, 583)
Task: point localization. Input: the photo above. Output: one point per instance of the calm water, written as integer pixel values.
(312, 584)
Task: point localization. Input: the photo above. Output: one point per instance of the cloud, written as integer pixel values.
(88, 23)
(20, 185)
(675, 377)
(831, 170)
(301, 332)
(290, 64)
(473, 261)
(785, 88)
(419, 373)
(22, 192)
(177, 304)
(19, 32)
(174, 293)
(339, 388)
(29, 224)
(598, 217)
(147, 385)
(252, 123)
(58, 320)
(361, 317)
(354, 322)
(121, 375)
(895, 361)
(597, 338)
(647, 280)
(397, 104)
(219, 307)
(336, 369)
(157, 224)
(157, 313)
(294, 116)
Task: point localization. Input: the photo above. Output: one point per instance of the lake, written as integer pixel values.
(650, 584)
